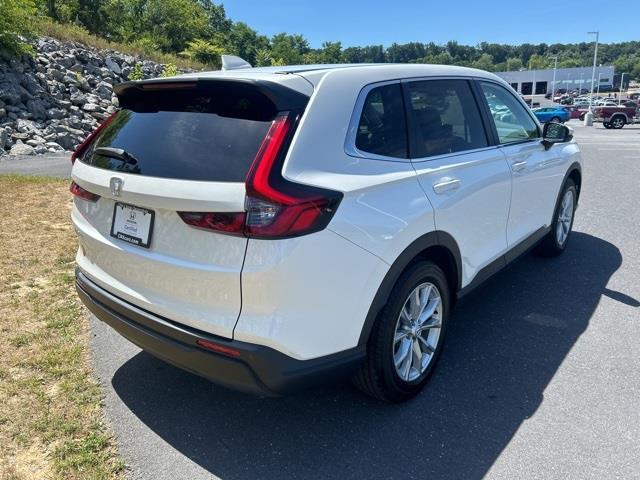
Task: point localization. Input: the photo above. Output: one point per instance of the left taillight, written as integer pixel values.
(80, 192)
(275, 207)
(81, 148)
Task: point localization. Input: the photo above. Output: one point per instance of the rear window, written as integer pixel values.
(206, 133)
(382, 129)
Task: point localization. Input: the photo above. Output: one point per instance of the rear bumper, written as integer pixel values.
(252, 368)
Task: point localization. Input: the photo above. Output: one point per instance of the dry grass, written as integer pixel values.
(73, 33)
(50, 407)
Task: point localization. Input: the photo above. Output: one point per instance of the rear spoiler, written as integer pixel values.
(283, 98)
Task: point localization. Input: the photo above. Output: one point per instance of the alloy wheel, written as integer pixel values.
(417, 332)
(617, 122)
(565, 217)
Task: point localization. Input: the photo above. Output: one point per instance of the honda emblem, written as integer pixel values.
(116, 186)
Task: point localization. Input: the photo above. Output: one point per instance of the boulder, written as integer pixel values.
(37, 109)
(112, 65)
(22, 149)
(56, 114)
(28, 126)
(10, 93)
(53, 147)
(104, 90)
(91, 107)
(4, 139)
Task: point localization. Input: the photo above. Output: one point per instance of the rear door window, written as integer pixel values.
(445, 118)
(382, 127)
(206, 134)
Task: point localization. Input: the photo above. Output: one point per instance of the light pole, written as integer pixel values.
(580, 87)
(553, 83)
(621, 85)
(599, 75)
(593, 72)
(533, 83)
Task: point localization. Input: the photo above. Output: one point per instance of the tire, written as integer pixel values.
(555, 120)
(554, 243)
(607, 125)
(384, 375)
(582, 117)
(618, 122)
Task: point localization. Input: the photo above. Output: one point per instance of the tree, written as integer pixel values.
(331, 52)
(538, 62)
(217, 17)
(244, 42)
(16, 20)
(173, 23)
(263, 58)
(204, 52)
(289, 48)
(513, 64)
(485, 62)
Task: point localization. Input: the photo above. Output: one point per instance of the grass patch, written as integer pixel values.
(50, 407)
(74, 33)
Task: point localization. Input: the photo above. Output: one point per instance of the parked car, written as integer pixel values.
(574, 112)
(616, 116)
(557, 114)
(270, 228)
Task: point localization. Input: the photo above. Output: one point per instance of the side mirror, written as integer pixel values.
(555, 133)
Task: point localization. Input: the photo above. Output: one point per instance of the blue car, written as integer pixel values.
(556, 114)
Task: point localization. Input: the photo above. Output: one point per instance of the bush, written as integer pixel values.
(203, 52)
(170, 70)
(136, 73)
(16, 21)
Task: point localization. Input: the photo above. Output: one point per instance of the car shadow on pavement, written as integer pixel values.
(504, 346)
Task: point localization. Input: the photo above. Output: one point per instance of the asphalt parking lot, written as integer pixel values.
(540, 378)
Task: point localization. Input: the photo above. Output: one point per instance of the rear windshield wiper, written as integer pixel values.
(118, 153)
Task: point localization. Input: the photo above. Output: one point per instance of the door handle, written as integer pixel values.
(446, 184)
(518, 166)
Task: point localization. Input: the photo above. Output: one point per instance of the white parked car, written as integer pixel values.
(270, 228)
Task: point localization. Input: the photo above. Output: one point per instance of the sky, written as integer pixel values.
(374, 22)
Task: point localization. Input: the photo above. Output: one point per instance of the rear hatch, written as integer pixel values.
(174, 149)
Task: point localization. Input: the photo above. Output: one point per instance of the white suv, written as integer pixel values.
(269, 228)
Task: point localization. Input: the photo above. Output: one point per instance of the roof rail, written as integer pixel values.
(231, 62)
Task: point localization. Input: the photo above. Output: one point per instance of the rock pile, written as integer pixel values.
(52, 101)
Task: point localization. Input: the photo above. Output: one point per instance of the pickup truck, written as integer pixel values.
(618, 116)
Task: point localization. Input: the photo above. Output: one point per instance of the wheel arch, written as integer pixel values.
(620, 114)
(437, 246)
(574, 173)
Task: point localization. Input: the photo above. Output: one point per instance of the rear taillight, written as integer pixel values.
(80, 192)
(231, 223)
(275, 207)
(81, 148)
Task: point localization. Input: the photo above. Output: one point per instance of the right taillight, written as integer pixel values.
(80, 192)
(275, 207)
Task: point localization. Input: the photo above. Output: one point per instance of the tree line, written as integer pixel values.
(200, 30)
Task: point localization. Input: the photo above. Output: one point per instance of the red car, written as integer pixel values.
(574, 112)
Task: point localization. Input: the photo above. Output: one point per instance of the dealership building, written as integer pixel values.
(540, 82)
